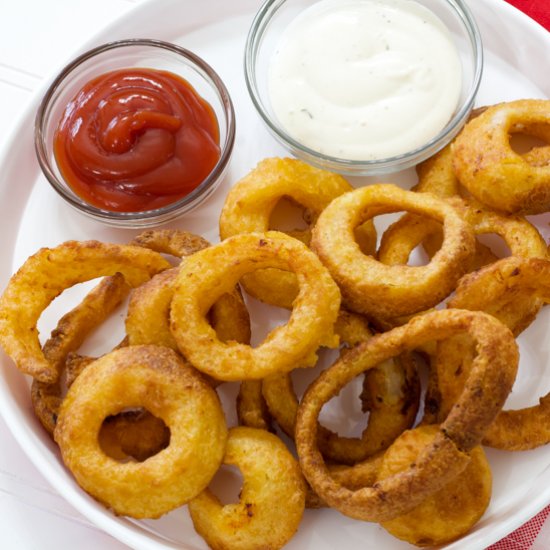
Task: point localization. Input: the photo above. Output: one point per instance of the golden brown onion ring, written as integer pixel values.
(486, 164)
(208, 274)
(147, 321)
(499, 289)
(271, 503)
(448, 513)
(522, 238)
(382, 291)
(436, 175)
(390, 395)
(96, 306)
(250, 203)
(490, 380)
(68, 336)
(47, 274)
(158, 380)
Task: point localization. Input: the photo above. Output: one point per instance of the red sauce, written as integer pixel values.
(136, 139)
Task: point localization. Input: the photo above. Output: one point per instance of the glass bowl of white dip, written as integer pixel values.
(363, 87)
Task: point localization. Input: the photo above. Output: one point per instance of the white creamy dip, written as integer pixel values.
(365, 79)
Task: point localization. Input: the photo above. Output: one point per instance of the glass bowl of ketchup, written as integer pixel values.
(363, 87)
(135, 132)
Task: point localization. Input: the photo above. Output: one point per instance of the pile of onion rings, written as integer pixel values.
(150, 408)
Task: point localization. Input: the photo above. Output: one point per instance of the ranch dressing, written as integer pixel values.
(365, 79)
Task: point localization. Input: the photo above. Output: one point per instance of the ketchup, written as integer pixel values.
(136, 139)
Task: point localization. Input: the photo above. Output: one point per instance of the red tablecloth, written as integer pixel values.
(539, 10)
(535, 534)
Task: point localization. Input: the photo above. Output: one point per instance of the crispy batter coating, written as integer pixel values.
(271, 503)
(447, 514)
(208, 274)
(362, 474)
(174, 242)
(379, 290)
(436, 175)
(489, 383)
(501, 290)
(250, 203)
(158, 380)
(48, 273)
(71, 331)
(390, 395)
(147, 321)
(487, 165)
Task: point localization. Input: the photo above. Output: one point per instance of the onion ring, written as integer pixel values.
(136, 434)
(271, 503)
(489, 383)
(158, 380)
(379, 290)
(492, 171)
(208, 274)
(390, 394)
(499, 289)
(68, 336)
(249, 205)
(45, 275)
(523, 239)
(147, 321)
(450, 512)
(436, 175)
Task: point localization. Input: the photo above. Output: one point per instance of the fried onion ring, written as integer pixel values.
(249, 205)
(436, 175)
(382, 291)
(390, 395)
(48, 273)
(489, 383)
(211, 272)
(271, 503)
(68, 336)
(158, 380)
(492, 171)
(448, 513)
(499, 289)
(147, 321)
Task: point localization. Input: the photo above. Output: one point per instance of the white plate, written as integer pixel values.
(34, 216)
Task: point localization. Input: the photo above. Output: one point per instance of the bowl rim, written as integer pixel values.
(169, 211)
(253, 42)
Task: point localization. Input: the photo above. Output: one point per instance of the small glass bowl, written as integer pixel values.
(146, 53)
(273, 18)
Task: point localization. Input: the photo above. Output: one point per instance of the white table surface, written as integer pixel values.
(35, 37)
